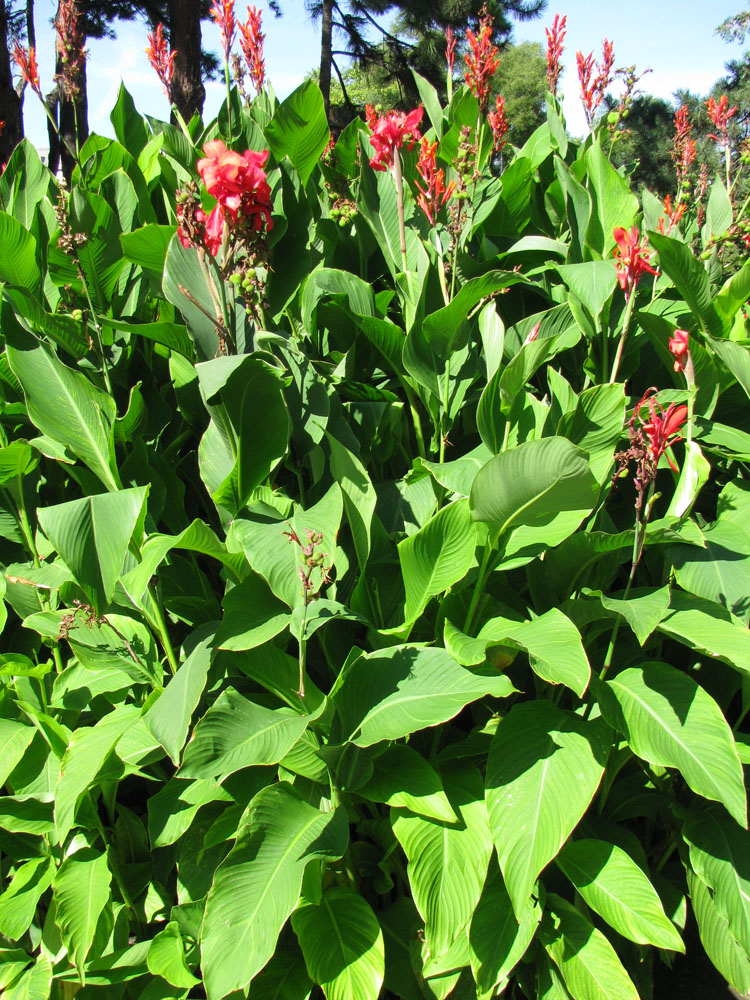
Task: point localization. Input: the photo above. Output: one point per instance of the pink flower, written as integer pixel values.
(251, 42)
(631, 259)
(222, 13)
(26, 62)
(593, 86)
(555, 38)
(238, 182)
(678, 345)
(434, 194)
(161, 58)
(498, 123)
(482, 60)
(389, 132)
(450, 49)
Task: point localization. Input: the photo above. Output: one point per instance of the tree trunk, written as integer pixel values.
(73, 116)
(325, 54)
(11, 105)
(188, 92)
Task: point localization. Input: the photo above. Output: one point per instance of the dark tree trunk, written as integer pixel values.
(188, 92)
(326, 33)
(53, 160)
(11, 105)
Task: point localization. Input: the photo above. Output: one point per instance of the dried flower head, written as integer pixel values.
(161, 58)
(70, 47)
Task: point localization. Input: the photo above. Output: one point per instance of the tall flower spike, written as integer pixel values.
(70, 47)
(555, 39)
(631, 258)
(594, 85)
(719, 112)
(26, 63)
(683, 145)
(161, 58)
(481, 60)
(499, 124)
(435, 193)
(222, 13)
(389, 132)
(450, 49)
(251, 43)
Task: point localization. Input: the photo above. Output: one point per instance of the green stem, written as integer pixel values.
(623, 335)
(161, 627)
(95, 321)
(56, 128)
(415, 418)
(229, 102)
(478, 588)
(302, 654)
(400, 203)
(446, 402)
(181, 122)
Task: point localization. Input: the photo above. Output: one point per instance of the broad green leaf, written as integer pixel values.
(643, 609)
(437, 556)
(19, 901)
(544, 767)
(24, 183)
(403, 778)
(718, 212)
(720, 857)
(166, 957)
(431, 102)
(258, 884)
(81, 891)
(611, 883)
(458, 475)
(252, 615)
(359, 496)
(587, 961)
(693, 477)
(447, 862)
(718, 572)
(171, 335)
(14, 739)
(735, 357)
(18, 266)
(691, 280)
(669, 720)
(532, 483)
(393, 692)
(173, 808)
(13, 961)
(615, 205)
(708, 628)
(148, 247)
(284, 978)
(342, 944)
(721, 946)
(168, 719)
(596, 426)
(92, 536)
(27, 814)
(130, 128)
(183, 273)
(235, 733)
(34, 984)
(593, 282)
(498, 941)
(67, 407)
(299, 129)
(87, 751)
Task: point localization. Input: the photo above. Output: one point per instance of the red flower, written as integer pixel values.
(720, 113)
(555, 39)
(26, 62)
(662, 427)
(161, 58)
(70, 47)
(389, 132)
(683, 145)
(251, 42)
(222, 13)
(498, 123)
(2, 126)
(678, 345)
(673, 215)
(482, 60)
(450, 49)
(434, 194)
(238, 182)
(594, 86)
(631, 259)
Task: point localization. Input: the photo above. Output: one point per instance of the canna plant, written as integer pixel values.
(374, 562)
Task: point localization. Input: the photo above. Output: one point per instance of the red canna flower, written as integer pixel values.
(481, 61)
(672, 215)
(450, 49)
(251, 42)
(238, 182)
(434, 194)
(678, 345)
(389, 132)
(555, 39)
(26, 62)
(683, 146)
(70, 47)
(161, 58)
(662, 428)
(631, 259)
(719, 112)
(499, 124)
(594, 85)
(222, 13)
(2, 126)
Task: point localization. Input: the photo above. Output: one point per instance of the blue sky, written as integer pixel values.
(676, 38)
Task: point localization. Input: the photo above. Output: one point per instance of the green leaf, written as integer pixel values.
(691, 280)
(393, 692)
(18, 266)
(359, 496)
(130, 128)
(252, 615)
(284, 978)
(669, 720)
(643, 609)
(168, 719)
(544, 767)
(719, 856)
(735, 357)
(447, 863)
(299, 129)
(616, 205)
(24, 183)
(403, 778)
(81, 891)
(183, 272)
(431, 101)
(611, 883)
(171, 335)
(92, 536)
(532, 483)
(708, 628)
(342, 944)
(587, 961)
(148, 247)
(15, 738)
(719, 571)
(718, 212)
(721, 946)
(173, 808)
(596, 426)
(258, 884)
(19, 901)
(234, 733)
(592, 282)
(166, 957)
(498, 941)
(66, 407)
(34, 984)
(437, 556)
